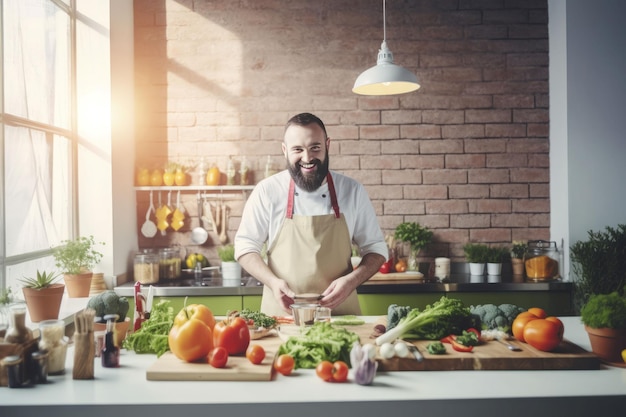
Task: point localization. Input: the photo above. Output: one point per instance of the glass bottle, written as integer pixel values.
(146, 268)
(110, 353)
(230, 172)
(244, 172)
(52, 339)
(269, 167)
(17, 332)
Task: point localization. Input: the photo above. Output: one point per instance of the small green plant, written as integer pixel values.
(6, 296)
(605, 310)
(226, 253)
(476, 253)
(518, 250)
(77, 256)
(497, 255)
(41, 281)
(416, 235)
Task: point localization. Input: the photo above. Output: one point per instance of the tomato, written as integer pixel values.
(340, 371)
(213, 176)
(156, 178)
(180, 177)
(542, 334)
(520, 322)
(168, 178)
(255, 354)
(324, 370)
(143, 177)
(384, 268)
(218, 357)
(232, 334)
(190, 341)
(400, 266)
(559, 323)
(195, 311)
(284, 364)
(539, 312)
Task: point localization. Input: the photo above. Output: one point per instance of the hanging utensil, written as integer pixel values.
(149, 229)
(178, 217)
(218, 216)
(223, 233)
(206, 219)
(161, 214)
(199, 235)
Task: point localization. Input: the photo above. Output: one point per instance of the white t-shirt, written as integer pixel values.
(266, 208)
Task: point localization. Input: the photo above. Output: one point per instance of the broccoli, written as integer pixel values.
(491, 316)
(108, 302)
(395, 313)
(442, 318)
(436, 348)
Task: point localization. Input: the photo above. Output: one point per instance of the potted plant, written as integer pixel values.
(599, 264)
(604, 318)
(109, 303)
(417, 236)
(43, 296)
(231, 270)
(76, 258)
(495, 256)
(477, 255)
(518, 252)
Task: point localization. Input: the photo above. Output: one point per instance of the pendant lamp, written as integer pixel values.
(386, 78)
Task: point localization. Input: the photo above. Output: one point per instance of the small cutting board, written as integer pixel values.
(397, 276)
(169, 368)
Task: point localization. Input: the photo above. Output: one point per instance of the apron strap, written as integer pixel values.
(331, 190)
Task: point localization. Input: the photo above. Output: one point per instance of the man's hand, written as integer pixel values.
(283, 294)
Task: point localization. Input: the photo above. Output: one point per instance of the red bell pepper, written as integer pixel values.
(459, 347)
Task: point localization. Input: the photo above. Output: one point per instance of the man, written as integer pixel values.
(309, 217)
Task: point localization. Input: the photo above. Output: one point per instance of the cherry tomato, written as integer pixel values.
(539, 312)
(284, 364)
(233, 334)
(255, 354)
(340, 371)
(190, 341)
(520, 322)
(543, 334)
(218, 357)
(324, 370)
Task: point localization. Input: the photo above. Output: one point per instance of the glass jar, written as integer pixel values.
(146, 268)
(542, 260)
(17, 332)
(53, 341)
(170, 264)
(244, 173)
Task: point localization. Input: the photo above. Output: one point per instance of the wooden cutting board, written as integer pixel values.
(396, 276)
(169, 368)
(487, 356)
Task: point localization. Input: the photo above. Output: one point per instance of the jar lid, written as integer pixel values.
(12, 360)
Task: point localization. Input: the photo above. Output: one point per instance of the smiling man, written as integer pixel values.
(309, 217)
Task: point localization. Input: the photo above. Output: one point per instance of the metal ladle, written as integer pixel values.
(199, 234)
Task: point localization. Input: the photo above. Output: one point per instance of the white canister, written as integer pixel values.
(442, 268)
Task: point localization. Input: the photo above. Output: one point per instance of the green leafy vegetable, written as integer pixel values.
(492, 317)
(442, 318)
(259, 319)
(395, 313)
(468, 338)
(348, 320)
(320, 342)
(152, 335)
(436, 348)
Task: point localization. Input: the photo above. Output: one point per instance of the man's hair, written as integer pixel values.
(305, 119)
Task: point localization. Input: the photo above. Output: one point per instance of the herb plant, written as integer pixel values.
(42, 280)
(497, 255)
(518, 250)
(416, 235)
(605, 310)
(476, 253)
(77, 256)
(226, 253)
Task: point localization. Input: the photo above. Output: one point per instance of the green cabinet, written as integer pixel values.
(377, 304)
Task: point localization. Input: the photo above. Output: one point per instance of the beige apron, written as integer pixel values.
(309, 252)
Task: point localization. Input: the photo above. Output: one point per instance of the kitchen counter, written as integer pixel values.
(125, 391)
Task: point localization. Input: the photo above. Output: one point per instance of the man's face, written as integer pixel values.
(306, 151)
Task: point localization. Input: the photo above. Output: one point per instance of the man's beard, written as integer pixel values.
(309, 182)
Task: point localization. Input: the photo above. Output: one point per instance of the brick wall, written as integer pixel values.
(466, 155)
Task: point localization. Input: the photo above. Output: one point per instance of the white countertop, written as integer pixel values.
(458, 393)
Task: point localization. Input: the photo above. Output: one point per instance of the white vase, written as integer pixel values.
(494, 268)
(231, 274)
(476, 268)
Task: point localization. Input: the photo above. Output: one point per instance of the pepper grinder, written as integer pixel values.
(110, 353)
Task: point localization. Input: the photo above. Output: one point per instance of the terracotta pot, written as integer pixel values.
(121, 330)
(518, 266)
(607, 343)
(44, 304)
(78, 285)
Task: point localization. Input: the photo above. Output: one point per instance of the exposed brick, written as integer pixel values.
(526, 175)
(488, 176)
(503, 160)
(469, 221)
(360, 117)
(359, 147)
(379, 132)
(539, 190)
(440, 60)
(446, 206)
(422, 161)
(378, 103)
(442, 116)
(539, 220)
(420, 131)
(538, 129)
(535, 205)
(487, 116)
(444, 176)
(508, 191)
(435, 221)
(404, 207)
(402, 147)
(493, 235)
(463, 131)
(531, 116)
(465, 161)
(485, 146)
(452, 235)
(489, 206)
(401, 117)
(530, 145)
(468, 191)
(425, 192)
(514, 101)
(508, 220)
(402, 176)
(505, 130)
(539, 160)
(441, 146)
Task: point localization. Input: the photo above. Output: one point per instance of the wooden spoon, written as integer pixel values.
(223, 235)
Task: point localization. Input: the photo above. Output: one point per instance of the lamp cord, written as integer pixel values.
(384, 22)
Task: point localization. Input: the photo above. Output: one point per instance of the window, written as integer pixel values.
(37, 134)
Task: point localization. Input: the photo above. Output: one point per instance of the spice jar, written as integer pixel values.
(53, 340)
(146, 268)
(13, 365)
(40, 368)
(542, 260)
(170, 263)
(17, 332)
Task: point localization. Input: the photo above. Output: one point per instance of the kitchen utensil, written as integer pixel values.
(178, 217)
(206, 207)
(304, 314)
(414, 351)
(510, 346)
(213, 220)
(223, 234)
(161, 214)
(218, 216)
(149, 229)
(199, 234)
(307, 298)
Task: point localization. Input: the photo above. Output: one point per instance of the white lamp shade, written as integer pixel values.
(385, 79)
